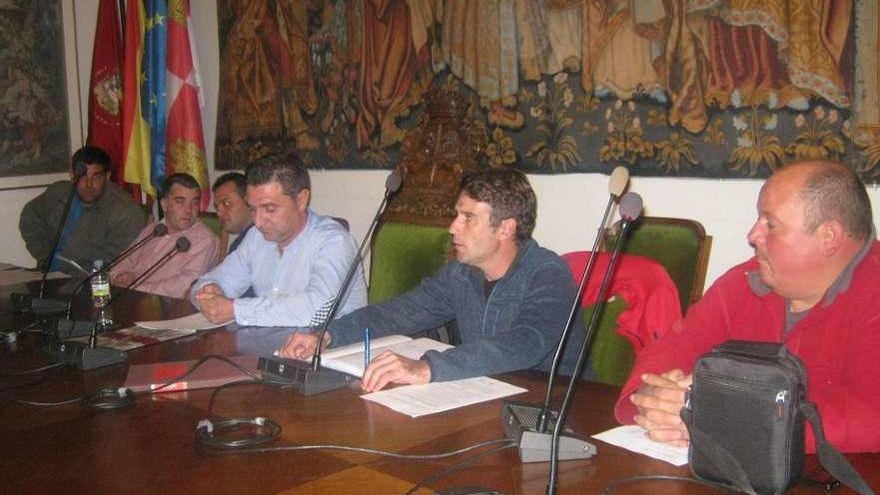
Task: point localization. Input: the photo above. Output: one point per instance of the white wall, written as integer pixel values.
(569, 206)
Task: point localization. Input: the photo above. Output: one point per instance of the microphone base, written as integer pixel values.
(69, 329)
(519, 420)
(301, 375)
(86, 358)
(27, 303)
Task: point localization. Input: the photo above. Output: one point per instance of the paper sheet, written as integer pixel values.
(195, 321)
(421, 400)
(350, 359)
(634, 438)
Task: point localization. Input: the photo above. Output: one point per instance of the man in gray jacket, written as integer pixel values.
(102, 221)
(509, 296)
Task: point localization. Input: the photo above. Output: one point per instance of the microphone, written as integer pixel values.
(307, 376)
(630, 210)
(65, 328)
(527, 423)
(40, 304)
(87, 356)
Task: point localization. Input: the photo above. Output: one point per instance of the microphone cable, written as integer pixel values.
(458, 465)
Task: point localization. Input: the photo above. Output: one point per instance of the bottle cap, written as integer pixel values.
(98, 264)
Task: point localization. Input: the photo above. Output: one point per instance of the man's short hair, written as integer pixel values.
(237, 177)
(833, 191)
(90, 155)
(509, 194)
(288, 170)
(181, 179)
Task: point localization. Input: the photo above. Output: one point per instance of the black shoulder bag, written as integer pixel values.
(745, 415)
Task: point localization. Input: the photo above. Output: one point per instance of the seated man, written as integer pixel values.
(181, 196)
(812, 285)
(509, 296)
(102, 221)
(232, 209)
(297, 264)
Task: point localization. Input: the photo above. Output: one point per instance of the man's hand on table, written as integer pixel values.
(214, 304)
(394, 368)
(659, 401)
(301, 345)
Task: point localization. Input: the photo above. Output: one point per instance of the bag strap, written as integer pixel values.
(721, 459)
(831, 458)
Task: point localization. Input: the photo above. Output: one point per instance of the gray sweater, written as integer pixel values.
(517, 327)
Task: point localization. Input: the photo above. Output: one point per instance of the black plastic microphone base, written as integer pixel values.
(82, 356)
(301, 375)
(40, 306)
(519, 420)
(69, 329)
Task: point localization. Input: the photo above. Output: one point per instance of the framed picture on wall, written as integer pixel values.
(34, 134)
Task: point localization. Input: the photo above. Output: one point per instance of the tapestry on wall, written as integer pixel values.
(34, 136)
(707, 88)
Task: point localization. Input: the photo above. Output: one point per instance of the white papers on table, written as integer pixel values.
(430, 398)
(350, 358)
(635, 439)
(195, 321)
(11, 275)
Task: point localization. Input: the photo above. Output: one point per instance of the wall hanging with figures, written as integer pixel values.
(708, 88)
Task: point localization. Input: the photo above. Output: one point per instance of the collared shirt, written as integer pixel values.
(240, 237)
(174, 277)
(295, 287)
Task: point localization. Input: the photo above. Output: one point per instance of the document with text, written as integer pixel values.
(416, 400)
(430, 398)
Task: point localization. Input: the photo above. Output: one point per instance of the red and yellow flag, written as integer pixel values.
(105, 88)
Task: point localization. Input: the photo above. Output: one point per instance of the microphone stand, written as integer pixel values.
(582, 354)
(87, 356)
(308, 376)
(66, 328)
(40, 304)
(181, 246)
(541, 425)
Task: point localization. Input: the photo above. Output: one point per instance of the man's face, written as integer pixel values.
(474, 238)
(91, 185)
(181, 206)
(787, 255)
(232, 210)
(279, 217)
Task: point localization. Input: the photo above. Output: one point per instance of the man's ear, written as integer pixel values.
(831, 235)
(507, 229)
(302, 199)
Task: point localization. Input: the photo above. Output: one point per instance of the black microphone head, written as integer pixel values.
(160, 229)
(182, 244)
(392, 183)
(630, 206)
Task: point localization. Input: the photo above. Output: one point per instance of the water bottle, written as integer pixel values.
(101, 293)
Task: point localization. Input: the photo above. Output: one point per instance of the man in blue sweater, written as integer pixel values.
(509, 296)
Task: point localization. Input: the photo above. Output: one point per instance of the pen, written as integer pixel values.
(366, 348)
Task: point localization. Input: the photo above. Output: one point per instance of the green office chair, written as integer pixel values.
(402, 255)
(209, 218)
(611, 356)
(680, 245)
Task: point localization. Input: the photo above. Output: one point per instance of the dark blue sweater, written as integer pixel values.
(517, 327)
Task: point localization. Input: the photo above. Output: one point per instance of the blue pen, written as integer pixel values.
(366, 348)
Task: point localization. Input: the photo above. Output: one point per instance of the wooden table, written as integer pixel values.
(150, 447)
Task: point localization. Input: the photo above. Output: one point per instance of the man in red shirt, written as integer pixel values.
(811, 285)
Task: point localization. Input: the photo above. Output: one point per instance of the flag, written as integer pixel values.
(105, 88)
(184, 139)
(135, 130)
(153, 96)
